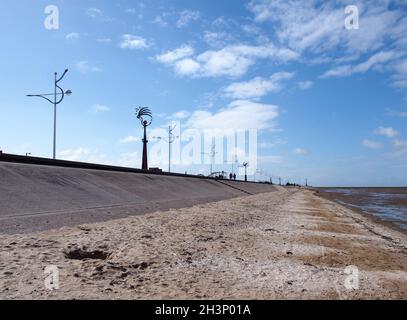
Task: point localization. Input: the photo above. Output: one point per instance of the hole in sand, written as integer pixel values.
(82, 254)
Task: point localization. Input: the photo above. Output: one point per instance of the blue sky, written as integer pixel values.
(329, 104)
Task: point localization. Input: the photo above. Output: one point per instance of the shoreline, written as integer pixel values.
(288, 244)
(375, 219)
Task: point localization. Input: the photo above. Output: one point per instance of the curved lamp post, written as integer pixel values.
(212, 155)
(245, 165)
(145, 116)
(170, 140)
(55, 102)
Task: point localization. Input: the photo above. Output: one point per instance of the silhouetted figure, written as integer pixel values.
(234, 176)
(230, 176)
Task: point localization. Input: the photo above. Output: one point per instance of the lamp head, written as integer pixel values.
(68, 92)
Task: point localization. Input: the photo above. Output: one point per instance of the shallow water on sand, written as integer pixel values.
(387, 204)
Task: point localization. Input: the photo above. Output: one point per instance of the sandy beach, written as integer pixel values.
(288, 244)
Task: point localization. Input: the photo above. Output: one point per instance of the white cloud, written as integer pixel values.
(180, 115)
(160, 21)
(402, 114)
(318, 26)
(186, 67)
(100, 109)
(94, 13)
(131, 10)
(217, 39)
(235, 60)
(387, 132)
(129, 159)
(104, 40)
(305, 85)
(270, 159)
(129, 139)
(301, 152)
(400, 146)
(130, 41)
(258, 86)
(271, 144)
(72, 36)
(400, 84)
(175, 55)
(371, 144)
(186, 16)
(232, 61)
(376, 60)
(85, 67)
(238, 115)
(401, 67)
(400, 143)
(83, 155)
(316, 31)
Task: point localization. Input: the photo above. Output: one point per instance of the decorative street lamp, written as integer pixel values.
(55, 102)
(145, 116)
(245, 165)
(170, 140)
(212, 155)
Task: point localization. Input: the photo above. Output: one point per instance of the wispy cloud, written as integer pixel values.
(376, 60)
(180, 115)
(175, 55)
(100, 109)
(129, 139)
(270, 159)
(94, 12)
(159, 20)
(400, 146)
(388, 132)
(231, 61)
(400, 143)
(316, 31)
(238, 115)
(301, 152)
(72, 36)
(318, 26)
(305, 85)
(84, 67)
(104, 40)
(402, 114)
(371, 144)
(186, 16)
(218, 38)
(258, 86)
(83, 155)
(130, 41)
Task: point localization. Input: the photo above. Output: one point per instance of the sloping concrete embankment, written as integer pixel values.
(39, 197)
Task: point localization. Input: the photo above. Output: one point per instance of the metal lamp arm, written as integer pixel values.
(63, 75)
(62, 93)
(40, 96)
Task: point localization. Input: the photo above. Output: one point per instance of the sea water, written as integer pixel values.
(388, 204)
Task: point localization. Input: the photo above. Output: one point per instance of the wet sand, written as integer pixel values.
(359, 200)
(288, 244)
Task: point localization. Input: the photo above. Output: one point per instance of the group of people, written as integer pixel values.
(232, 176)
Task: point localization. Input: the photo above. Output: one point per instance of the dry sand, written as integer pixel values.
(285, 244)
